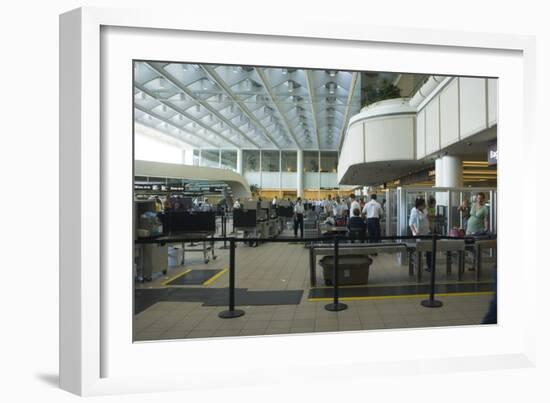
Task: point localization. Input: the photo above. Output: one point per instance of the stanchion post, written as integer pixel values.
(432, 302)
(231, 312)
(224, 231)
(335, 306)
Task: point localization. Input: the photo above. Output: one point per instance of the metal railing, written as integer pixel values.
(335, 305)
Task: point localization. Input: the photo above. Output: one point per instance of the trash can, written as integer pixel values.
(352, 269)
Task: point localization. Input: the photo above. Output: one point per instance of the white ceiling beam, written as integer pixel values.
(172, 80)
(354, 78)
(162, 119)
(214, 76)
(311, 92)
(172, 136)
(188, 116)
(267, 88)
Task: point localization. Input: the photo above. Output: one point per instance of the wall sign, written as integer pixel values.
(492, 154)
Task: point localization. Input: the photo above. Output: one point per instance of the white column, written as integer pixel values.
(280, 174)
(440, 198)
(184, 155)
(448, 173)
(452, 171)
(240, 161)
(299, 173)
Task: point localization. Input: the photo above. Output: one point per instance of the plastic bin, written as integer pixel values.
(175, 256)
(352, 269)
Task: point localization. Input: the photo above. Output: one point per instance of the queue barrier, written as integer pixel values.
(336, 305)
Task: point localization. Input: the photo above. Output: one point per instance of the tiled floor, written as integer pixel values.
(282, 266)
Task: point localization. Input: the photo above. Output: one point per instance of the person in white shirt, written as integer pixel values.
(237, 204)
(373, 211)
(299, 217)
(206, 206)
(274, 202)
(328, 205)
(354, 204)
(420, 224)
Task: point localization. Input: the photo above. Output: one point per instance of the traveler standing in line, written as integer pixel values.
(464, 210)
(373, 211)
(206, 206)
(327, 205)
(158, 205)
(356, 226)
(340, 211)
(168, 203)
(299, 218)
(354, 204)
(274, 202)
(420, 225)
(478, 223)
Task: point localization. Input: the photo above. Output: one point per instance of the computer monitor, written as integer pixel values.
(244, 218)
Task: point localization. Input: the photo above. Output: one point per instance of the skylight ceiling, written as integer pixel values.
(211, 106)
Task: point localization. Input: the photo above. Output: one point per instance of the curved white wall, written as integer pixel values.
(382, 132)
(443, 112)
(389, 138)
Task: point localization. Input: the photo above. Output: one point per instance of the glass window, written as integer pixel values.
(251, 160)
(311, 161)
(229, 159)
(270, 161)
(196, 158)
(329, 161)
(210, 158)
(288, 161)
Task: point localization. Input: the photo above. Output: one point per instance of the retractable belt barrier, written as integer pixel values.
(335, 306)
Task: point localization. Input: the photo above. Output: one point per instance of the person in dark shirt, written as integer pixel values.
(356, 226)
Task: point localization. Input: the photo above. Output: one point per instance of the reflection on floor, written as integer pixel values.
(191, 311)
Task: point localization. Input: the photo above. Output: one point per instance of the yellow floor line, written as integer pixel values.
(400, 284)
(175, 277)
(450, 294)
(214, 277)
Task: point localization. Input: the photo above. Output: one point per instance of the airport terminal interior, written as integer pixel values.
(273, 200)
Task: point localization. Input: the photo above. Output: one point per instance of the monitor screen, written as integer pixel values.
(285, 211)
(188, 222)
(244, 218)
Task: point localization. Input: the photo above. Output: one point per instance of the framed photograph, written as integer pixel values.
(168, 127)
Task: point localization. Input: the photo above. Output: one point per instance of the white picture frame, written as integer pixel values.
(96, 354)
